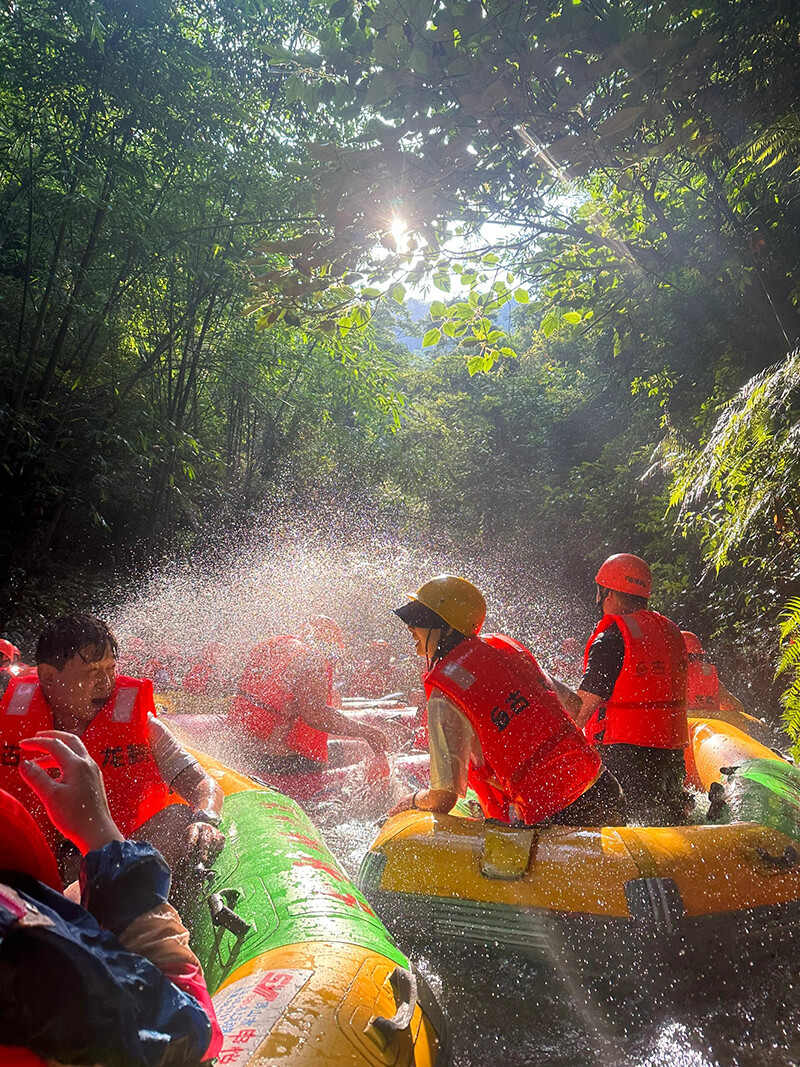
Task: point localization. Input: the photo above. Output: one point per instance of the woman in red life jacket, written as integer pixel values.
(73, 991)
(76, 688)
(632, 699)
(284, 705)
(495, 722)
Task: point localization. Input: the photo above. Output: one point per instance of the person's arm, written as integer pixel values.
(603, 667)
(451, 741)
(589, 703)
(568, 697)
(331, 721)
(187, 778)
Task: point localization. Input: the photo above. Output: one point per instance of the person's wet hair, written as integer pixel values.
(62, 638)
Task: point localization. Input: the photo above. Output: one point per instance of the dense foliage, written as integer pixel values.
(143, 150)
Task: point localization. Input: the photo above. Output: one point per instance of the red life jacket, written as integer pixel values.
(535, 757)
(266, 690)
(702, 685)
(17, 1056)
(117, 739)
(23, 848)
(648, 705)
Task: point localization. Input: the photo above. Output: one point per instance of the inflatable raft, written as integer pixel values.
(688, 892)
(301, 969)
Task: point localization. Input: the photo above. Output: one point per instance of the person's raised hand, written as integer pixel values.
(76, 801)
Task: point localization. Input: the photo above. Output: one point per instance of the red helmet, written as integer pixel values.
(694, 646)
(23, 847)
(626, 573)
(7, 649)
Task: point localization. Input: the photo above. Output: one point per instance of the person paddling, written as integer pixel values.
(283, 707)
(495, 722)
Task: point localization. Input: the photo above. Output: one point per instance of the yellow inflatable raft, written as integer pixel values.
(452, 878)
(301, 969)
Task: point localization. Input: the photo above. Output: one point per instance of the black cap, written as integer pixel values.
(415, 614)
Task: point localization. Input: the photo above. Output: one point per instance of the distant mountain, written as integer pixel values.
(419, 312)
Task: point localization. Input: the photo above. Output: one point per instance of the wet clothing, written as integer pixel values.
(280, 673)
(641, 729)
(603, 804)
(604, 663)
(532, 760)
(652, 780)
(454, 743)
(138, 756)
(702, 685)
(74, 987)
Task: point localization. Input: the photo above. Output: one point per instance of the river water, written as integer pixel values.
(514, 1012)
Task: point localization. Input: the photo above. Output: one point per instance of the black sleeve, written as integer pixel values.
(605, 663)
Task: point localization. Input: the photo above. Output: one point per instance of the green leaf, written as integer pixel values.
(370, 294)
(522, 296)
(550, 323)
(475, 365)
(398, 292)
(418, 61)
(572, 317)
(438, 309)
(442, 281)
(432, 337)
(339, 8)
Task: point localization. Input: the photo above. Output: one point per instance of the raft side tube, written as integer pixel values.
(664, 884)
(716, 744)
(309, 970)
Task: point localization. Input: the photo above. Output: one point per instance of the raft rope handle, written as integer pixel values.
(785, 862)
(222, 915)
(404, 986)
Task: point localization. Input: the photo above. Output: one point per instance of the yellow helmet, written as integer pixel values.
(455, 600)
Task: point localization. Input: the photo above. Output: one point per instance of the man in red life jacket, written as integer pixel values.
(73, 991)
(10, 663)
(77, 689)
(632, 699)
(495, 722)
(284, 705)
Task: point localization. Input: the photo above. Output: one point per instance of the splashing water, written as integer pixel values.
(512, 1012)
(271, 578)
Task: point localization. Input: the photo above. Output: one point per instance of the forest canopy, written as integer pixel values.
(214, 217)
